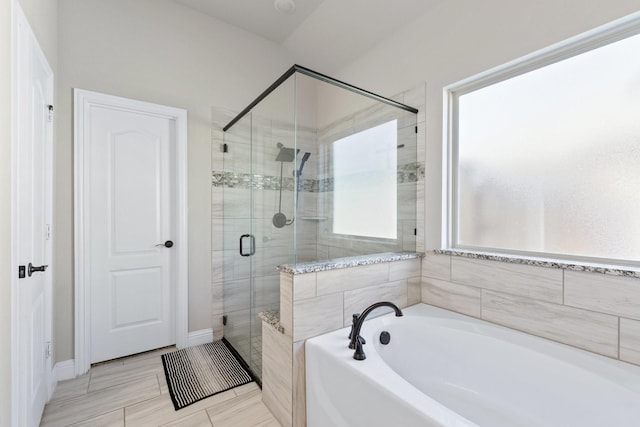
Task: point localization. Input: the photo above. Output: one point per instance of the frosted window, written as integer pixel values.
(365, 183)
(549, 161)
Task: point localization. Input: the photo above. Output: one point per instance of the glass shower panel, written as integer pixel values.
(366, 172)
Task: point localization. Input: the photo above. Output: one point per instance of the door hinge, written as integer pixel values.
(50, 108)
(416, 129)
(224, 320)
(47, 350)
(224, 148)
(47, 232)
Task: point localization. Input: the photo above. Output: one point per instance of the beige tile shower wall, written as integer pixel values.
(593, 311)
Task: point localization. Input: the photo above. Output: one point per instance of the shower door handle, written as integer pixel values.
(252, 246)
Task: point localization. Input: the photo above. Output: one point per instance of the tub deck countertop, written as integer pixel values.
(354, 261)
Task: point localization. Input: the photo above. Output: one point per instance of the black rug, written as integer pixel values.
(196, 373)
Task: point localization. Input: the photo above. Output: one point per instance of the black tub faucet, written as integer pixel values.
(356, 340)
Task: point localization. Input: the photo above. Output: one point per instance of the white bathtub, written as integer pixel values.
(445, 369)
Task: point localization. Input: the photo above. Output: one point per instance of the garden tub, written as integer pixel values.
(445, 369)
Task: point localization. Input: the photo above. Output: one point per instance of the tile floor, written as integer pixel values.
(251, 351)
(133, 392)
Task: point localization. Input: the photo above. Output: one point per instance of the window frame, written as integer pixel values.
(617, 30)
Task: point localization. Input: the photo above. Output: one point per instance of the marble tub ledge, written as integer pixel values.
(602, 269)
(272, 318)
(354, 261)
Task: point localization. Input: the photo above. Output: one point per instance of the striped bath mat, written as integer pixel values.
(196, 373)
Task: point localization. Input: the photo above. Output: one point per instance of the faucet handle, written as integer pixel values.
(359, 353)
(353, 324)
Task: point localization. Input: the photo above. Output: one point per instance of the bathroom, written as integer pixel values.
(160, 41)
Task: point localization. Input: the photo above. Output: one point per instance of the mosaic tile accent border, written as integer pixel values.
(542, 263)
(260, 182)
(411, 172)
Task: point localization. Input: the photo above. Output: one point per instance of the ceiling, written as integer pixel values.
(320, 34)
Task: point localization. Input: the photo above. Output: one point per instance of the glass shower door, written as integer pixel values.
(259, 212)
(239, 244)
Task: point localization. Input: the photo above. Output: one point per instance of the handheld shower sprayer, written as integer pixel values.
(285, 154)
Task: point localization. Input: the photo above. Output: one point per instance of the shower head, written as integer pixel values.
(286, 154)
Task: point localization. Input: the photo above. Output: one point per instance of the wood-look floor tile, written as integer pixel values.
(154, 354)
(252, 386)
(199, 419)
(73, 410)
(106, 367)
(71, 388)
(160, 410)
(269, 423)
(245, 410)
(125, 373)
(133, 392)
(110, 419)
(162, 381)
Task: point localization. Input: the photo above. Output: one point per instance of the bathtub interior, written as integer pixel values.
(495, 376)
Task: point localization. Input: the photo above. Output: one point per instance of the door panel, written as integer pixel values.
(131, 203)
(34, 136)
(136, 191)
(129, 287)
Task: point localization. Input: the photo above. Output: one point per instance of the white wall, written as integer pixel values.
(460, 38)
(43, 19)
(156, 51)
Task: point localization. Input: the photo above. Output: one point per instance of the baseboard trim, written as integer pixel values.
(65, 370)
(202, 336)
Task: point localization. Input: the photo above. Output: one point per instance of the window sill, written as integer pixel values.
(543, 262)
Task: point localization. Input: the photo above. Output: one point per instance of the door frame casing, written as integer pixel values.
(83, 101)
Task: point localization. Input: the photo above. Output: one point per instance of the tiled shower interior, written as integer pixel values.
(253, 179)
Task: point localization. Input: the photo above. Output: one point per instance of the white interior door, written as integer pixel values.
(132, 226)
(32, 195)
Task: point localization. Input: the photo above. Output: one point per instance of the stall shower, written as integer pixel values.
(313, 169)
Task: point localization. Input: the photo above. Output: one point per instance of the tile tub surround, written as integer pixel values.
(593, 308)
(316, 298)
